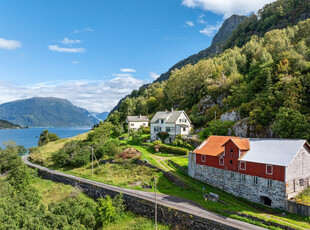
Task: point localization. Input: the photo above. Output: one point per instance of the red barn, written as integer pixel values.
(268, 171)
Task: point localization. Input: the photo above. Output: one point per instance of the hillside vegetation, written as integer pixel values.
(8, 125)
(267, 81)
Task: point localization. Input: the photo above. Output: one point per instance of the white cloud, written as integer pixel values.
(86, 29)
(95, 96)
(122, 74)
(210, 30)
(128, 70)
(9, 44)
(189, 23)
(154, 76)
(66, 50)
(75, 62)
(201, 20)
(227, 7)
(68, 41)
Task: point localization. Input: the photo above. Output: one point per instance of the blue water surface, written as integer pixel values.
(29, 137)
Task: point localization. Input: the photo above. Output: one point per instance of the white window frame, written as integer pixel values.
(184, 129)
(244, 165)
(255, 180)
(221, 158)
(271, 169)
(203, 158)
(269, 183)
(168, 129)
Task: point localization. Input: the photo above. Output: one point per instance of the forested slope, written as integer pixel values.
(267, 81)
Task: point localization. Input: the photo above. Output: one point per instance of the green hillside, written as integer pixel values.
(8, 125)
(44, 112)
(266, 81)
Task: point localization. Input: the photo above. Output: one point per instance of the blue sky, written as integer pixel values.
(94, 52)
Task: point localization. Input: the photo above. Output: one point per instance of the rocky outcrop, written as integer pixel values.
(244, 129)
(231, 116)
(207, 102)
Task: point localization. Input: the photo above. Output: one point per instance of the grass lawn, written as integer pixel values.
(134, 176)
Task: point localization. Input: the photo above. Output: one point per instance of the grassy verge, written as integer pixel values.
(304, 197)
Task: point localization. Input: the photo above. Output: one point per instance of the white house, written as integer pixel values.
(173, 122)
(135, 122)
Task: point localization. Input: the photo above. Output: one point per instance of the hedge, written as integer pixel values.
(173, 150)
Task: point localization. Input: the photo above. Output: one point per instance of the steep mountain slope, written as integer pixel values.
(221, 36)
(48, 111)
(263, 87)
(8, 125)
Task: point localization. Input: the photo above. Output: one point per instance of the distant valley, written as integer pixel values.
(46, 112)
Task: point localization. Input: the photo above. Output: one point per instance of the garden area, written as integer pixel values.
(122, 162)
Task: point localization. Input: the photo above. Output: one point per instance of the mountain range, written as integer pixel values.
(46, 112)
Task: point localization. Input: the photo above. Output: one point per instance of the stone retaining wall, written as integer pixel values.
(296, 208)
(140, 206)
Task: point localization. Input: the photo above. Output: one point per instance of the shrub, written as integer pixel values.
(109, 148)
(157, 142)
(145, 130)
(173, 150)
(217, 128)
(163, 135)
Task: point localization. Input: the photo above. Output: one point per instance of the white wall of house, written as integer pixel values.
(298, 173)
(137, 124)
(172, 128)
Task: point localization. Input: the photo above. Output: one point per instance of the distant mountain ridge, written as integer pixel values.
(8, 125)
(101, 116)
(46, 112)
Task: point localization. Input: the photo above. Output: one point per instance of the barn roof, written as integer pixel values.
(273, 151)
(214, 145)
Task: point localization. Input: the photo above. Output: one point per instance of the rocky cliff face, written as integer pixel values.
(227, 28)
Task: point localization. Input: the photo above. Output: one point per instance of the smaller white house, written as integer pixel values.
(173, 122)
(135, 122)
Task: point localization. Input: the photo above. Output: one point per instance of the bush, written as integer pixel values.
(171, 149)
(163, 135)
(145, 130)
(109, 148)
(217, 128)
(157, 142)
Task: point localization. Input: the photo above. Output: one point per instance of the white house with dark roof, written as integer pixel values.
(135, 122)
(173, 122)
(268, 171)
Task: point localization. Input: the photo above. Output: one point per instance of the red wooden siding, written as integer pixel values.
(256, 169)
(231, 158)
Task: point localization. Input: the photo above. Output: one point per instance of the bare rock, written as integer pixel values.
(231, 116)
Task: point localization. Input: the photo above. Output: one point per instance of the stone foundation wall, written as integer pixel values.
(300, 209)
(239, 184)
(140, 206)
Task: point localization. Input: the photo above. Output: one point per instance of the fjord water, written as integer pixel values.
(29, 137)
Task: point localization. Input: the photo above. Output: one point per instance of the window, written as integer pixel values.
(269, 183)
(162, 121)
(242, 165)
(269, 169)
(157, 129)
(144, 124)
(180, 120)
(231, 150)
(184, 129)
(184, 120)
(131, 124)
(167, 129)
(232, 174)
(230, 162)
(301, 182)
(222, 161)
(255, 180)
(243, 177)
(203, 158)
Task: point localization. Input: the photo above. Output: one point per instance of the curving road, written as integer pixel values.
(178, 203)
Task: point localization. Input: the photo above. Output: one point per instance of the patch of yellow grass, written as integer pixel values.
(44, 153)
